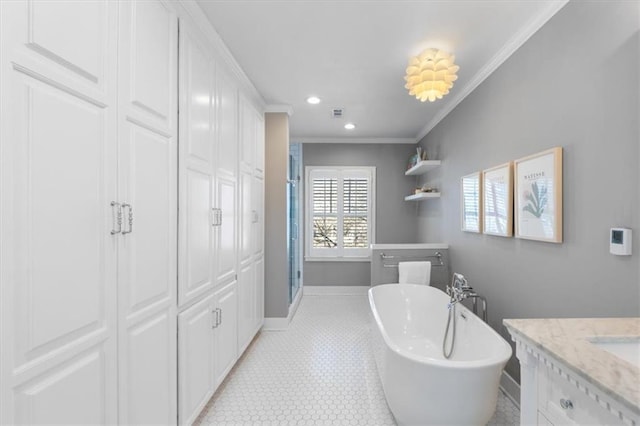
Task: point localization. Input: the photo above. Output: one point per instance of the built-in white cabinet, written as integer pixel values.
(147, 180)
(88, 208)
(131, 213)
(220, 212)
(246, 305)
(257, 223)
(226, 331)
(251, 276)
(259, 286)
(197, 217)
(196, 358)
(208, 172)
(207, 351)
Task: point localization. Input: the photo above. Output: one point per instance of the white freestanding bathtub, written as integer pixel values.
(421, 386)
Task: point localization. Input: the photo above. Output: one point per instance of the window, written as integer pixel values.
(340, 205)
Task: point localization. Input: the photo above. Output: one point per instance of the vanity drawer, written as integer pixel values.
(564, 403)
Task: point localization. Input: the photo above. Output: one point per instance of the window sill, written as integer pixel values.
(366, 259)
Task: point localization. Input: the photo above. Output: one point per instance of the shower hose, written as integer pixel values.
(452, 313)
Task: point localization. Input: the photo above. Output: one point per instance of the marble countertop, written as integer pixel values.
(567, 339)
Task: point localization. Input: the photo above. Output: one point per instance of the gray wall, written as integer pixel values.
(573, 84)
(395, 218)
(275, 184)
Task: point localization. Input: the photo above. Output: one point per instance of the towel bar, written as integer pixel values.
(437, 255)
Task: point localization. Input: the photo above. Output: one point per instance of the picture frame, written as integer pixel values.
(471, 202)
(497, 200)
(538, 199)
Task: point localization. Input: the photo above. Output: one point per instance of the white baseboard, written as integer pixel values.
(281, 324)
(511, 388)
(335, 290)
(275, 324)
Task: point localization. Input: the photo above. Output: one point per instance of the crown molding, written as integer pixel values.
(303, 139)
(287, 109)
(503, 54)
(192, 11)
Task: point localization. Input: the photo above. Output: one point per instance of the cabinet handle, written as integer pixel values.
(130, 218)
(566, 404)
(217, 217)
(219, 316)
(116, 210)
(215, 316)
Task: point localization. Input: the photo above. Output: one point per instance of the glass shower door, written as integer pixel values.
(295, 266)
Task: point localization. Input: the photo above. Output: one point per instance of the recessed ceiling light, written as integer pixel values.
(313, 100)
(349, 126)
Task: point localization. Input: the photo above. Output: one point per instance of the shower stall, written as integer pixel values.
(295, 220)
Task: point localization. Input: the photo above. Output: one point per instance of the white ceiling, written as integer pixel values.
(352, 54)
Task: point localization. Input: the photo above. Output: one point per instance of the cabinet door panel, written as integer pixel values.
(71, 393)
(147, 365)
(247, 135)
(57, 179)
(196, 92)
(246, 306)
(226, 334)
(259, 292)
(59, 293)
(71, 34)
(227, 230)
(149, 170)
(258, 215)
(259, 146)
(197, 248)
(227, 121)
(152, 53)
(195, 355)
(246, 217)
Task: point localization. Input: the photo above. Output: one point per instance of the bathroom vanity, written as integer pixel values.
(578, 371)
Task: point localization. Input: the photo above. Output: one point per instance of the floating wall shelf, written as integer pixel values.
(422, 167)
(422, 196)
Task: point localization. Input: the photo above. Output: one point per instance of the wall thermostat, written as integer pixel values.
(620, 241)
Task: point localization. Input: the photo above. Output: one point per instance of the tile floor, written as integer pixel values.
(319, 372)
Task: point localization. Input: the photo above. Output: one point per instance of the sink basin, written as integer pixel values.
(626, 348)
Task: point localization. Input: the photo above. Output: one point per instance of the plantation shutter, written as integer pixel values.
(355, 205)
(325, 209)
(340, 213)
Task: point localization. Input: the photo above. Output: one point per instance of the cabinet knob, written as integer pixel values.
(566, 404)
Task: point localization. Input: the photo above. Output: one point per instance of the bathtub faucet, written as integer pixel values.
(459, 289)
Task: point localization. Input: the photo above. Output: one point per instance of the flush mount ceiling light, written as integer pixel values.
(313, 100)
(431, 74)
(349, 126)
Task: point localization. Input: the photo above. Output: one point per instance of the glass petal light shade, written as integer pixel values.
(431, 74)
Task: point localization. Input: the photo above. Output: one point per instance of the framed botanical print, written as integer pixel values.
(538, 199)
